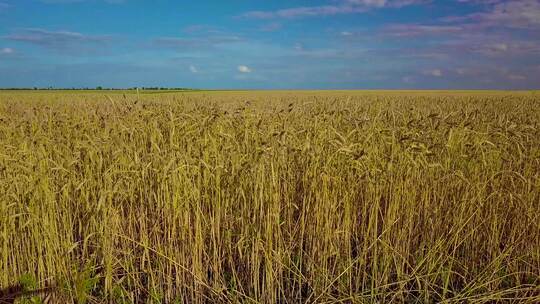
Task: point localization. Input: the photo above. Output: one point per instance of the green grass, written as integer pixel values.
(316, 197)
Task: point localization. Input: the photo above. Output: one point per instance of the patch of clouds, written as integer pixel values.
(499, 29)
(55, 39)
(311, 11)
(491, 45)
(524, 13)
(298, 47)
(479, 1)
(497, 75)
(80, 1)
(271, 27)
(521, 14)
(202, 29)
(244, 69)
(516, 77)
(7, 51)
(434, 73)
(461, 71)
(183, 43)
(341, 7)
(408, 30)
(332, 53)
(387, 3)
(500, 47)
(193, 69)
(375, 3)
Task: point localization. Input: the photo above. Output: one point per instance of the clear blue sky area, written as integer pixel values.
(333, 44)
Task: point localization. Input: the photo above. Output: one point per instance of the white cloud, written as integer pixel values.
(7, 51)
(503, 47)
(271, 27)
(523, 14)
(336, 8)
(193, 69)
(79, 1)
(461, 71)
(516, 77)
(434, 72)
(196, 43)
(55, 39)
(410, 30)
(376, 3)
(244, 69)
(346, 33)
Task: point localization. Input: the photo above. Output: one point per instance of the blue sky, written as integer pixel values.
(332, 44)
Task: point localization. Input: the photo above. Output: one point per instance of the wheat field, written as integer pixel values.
(272, 197)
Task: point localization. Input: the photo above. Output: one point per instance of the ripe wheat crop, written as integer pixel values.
(272, 197)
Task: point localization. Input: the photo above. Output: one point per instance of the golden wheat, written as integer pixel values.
(272, 197)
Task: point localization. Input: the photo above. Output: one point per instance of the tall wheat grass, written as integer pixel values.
(272, 197)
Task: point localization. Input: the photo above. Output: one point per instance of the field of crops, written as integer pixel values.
(272, 197)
